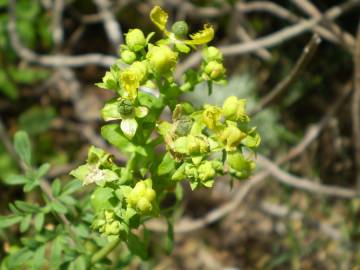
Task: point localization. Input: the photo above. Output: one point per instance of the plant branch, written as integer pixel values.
(284, 84)
(102, 253)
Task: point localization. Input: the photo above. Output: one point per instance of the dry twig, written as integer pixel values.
(302, 62)
(274, 39)
(356, 109)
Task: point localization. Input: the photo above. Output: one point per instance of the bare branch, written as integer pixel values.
(274, 39)
(304, 183)
(112, 27)
(356, 109)
(302, 62)
(56, 60)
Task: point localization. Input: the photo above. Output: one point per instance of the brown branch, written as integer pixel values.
(356, 109)
(304, 183)
(274, 39)
(56, 60)
(284, 84)
(310, 9)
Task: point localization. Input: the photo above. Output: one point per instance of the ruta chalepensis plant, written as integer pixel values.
(197, 145)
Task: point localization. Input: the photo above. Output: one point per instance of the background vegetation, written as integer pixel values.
(298, 64)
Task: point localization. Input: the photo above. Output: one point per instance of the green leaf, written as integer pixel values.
(71, 187)
(17, 259)
(22, 146)
(31, 185)
(16, 179)
(56, 250)
(25, 223)
(7, 221)
(167, 165)
(103, 198)
(129, 127)
(111, 110)
(7, 87)
(58, 207)
(27, 207)
(56, 187)
(39, 258)
(113, 135)
(79, 264)
(39, 221)
(136, 246)
(42, 170)
(27, 75)
(37, 119)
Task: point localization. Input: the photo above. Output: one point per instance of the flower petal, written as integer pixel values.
(202, 37)
(159, 17)
(129, 127)
(141, 112)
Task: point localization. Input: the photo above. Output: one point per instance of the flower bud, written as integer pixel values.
(109, 215)
(214, 70)
(212, 53)
(231, 137)
(235, 109)
(206, 171)
(128, 56)
(191, 171)
(197, 145)
(161, 59)
(126, 107)
(113, 228)
(180, 29)
(142, 196)
(242, 168)
(211, 116)
(135, 40)
(140, 69)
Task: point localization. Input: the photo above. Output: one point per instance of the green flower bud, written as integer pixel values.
(191, 171)
(241, 167)
(125, 107)
(141, 69)
(135, 40)
(128, 56)
(197, 145)
(235, 109)
(113, 228)
(214, 70)
(143, 205)
(211, 116)
(231, 136)
(180, 29)
(142, 196)
(212, 53)
(161, 59)
(109, 215)
(206, 171)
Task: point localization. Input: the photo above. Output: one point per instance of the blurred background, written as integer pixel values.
(298, 64)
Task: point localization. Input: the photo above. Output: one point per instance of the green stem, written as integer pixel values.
(102, 253)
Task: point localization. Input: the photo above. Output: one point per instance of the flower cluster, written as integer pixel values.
(211, 141)
(200, 143)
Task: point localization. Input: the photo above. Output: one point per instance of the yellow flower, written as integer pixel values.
(161, 59)
(211, 116)
(159, 17)
(132, 77)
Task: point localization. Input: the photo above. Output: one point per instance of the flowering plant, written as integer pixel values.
(197, 145)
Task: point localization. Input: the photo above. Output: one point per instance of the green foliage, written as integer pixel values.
(32, 28)
(199, 144)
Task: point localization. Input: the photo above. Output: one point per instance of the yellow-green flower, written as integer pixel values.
(132, 77)
(161, 59)
(231, 137)
(135, 40)
(235, 109)
(159, 17)
(142, 196)
(211, 116)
